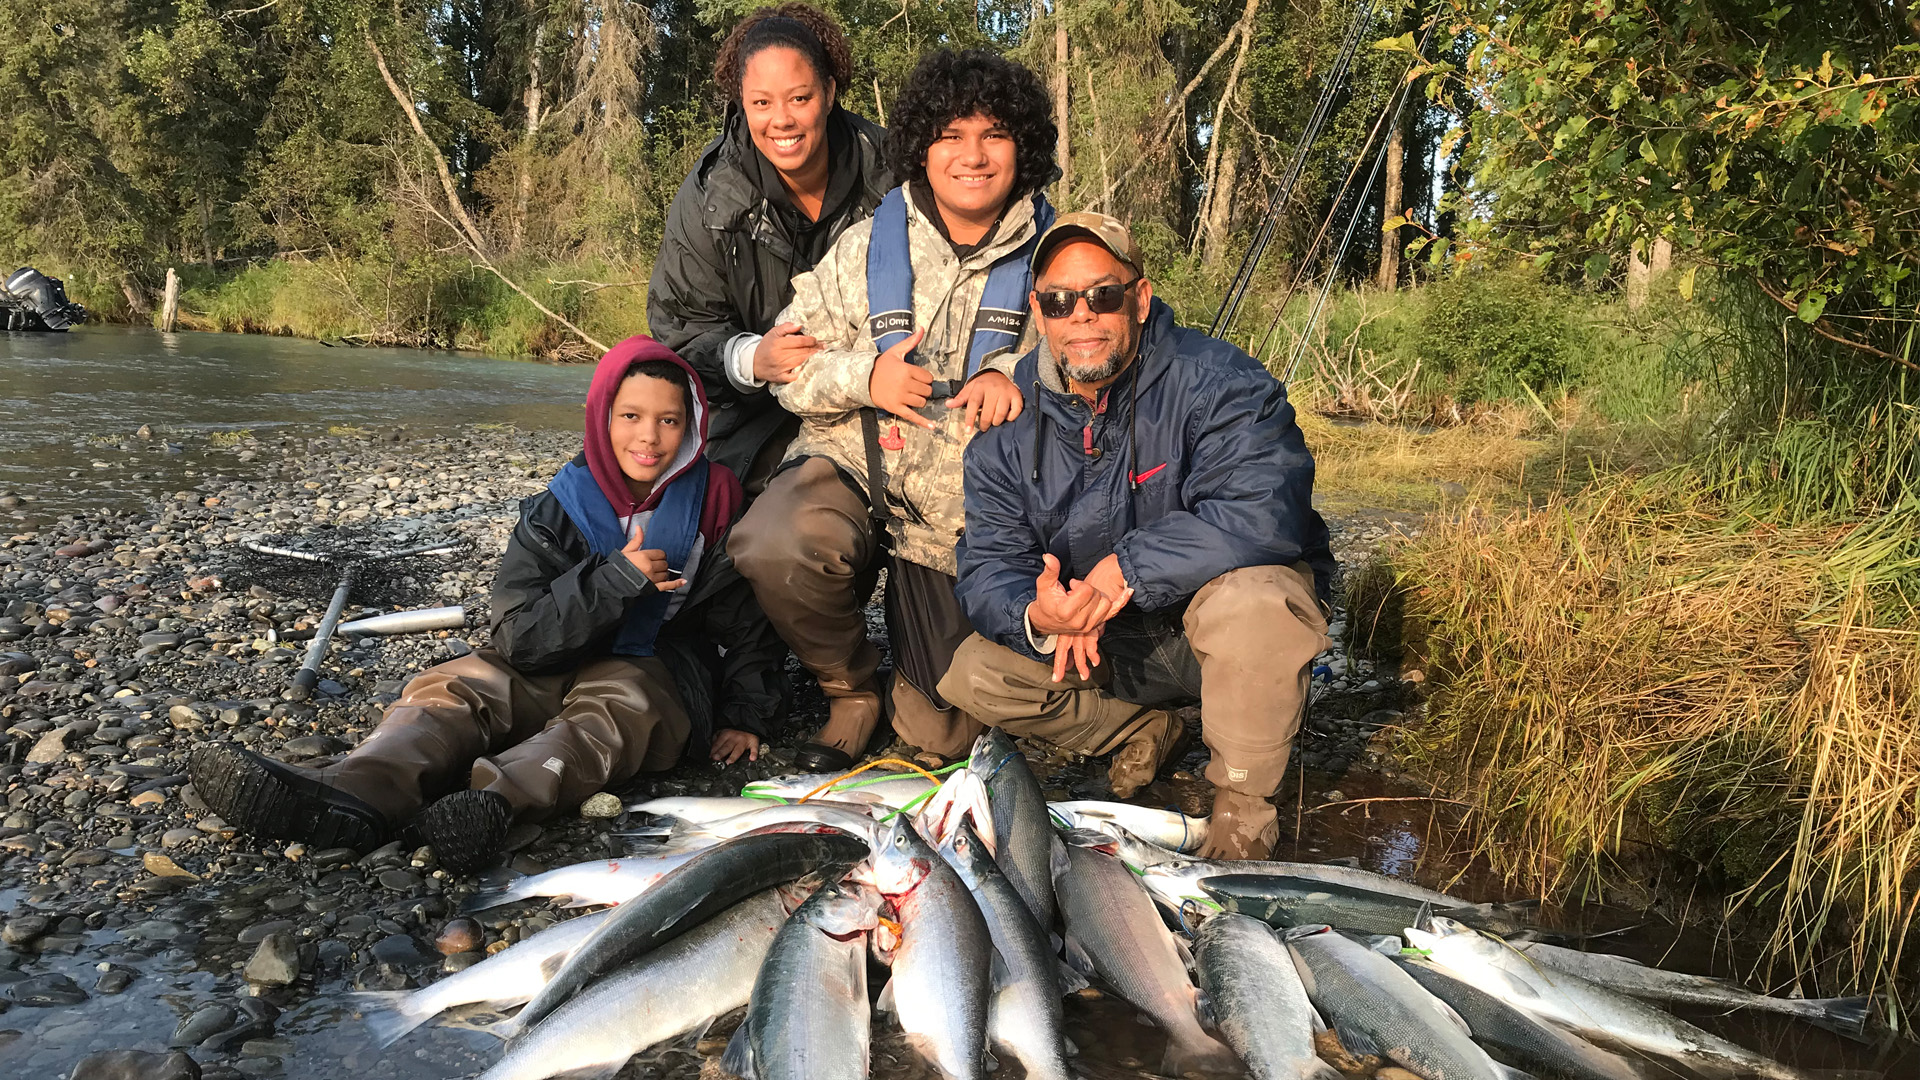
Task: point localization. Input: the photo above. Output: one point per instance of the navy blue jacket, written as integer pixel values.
(1224, 481)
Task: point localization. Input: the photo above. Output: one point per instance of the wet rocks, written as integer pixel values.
(135, 1065)
(44, 991)
(114, 980)
(401, 952)
(204, 1023)
(276, 962)
(258, 932)
(24, 929)
(458, 936)
(400, 880)
(50, 747)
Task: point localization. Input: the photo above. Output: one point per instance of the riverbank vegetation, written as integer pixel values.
(1708, 653)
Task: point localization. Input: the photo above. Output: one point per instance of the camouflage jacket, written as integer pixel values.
(830, 301)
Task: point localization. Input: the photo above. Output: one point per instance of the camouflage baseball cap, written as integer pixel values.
(1101, 229)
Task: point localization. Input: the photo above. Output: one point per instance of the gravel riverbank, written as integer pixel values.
(125, 640)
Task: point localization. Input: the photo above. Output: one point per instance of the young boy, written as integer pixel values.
(622, 638)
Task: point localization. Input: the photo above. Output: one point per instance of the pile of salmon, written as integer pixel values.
(966, 911)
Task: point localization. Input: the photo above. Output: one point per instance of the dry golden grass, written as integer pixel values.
(1497, 455)
(1394, 465)
(1632, 666)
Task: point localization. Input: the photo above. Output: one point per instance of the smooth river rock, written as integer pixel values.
(135, 1065)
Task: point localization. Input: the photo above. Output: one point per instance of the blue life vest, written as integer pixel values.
(673, 528)
(1002, 317)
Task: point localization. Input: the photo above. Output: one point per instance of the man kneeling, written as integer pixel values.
(1141, 536)
(611, 609)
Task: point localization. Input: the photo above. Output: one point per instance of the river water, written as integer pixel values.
(70, 406)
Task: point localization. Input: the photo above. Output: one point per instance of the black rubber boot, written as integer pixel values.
(275, 801)
(467, 830)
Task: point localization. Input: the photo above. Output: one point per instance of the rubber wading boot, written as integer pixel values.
(1140, 757)
(1242, 827)
(852, 723)
(274, 801)
(467, 830)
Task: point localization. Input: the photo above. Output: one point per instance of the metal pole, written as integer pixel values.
(308, 676)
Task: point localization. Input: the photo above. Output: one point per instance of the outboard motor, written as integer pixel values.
(34, 301)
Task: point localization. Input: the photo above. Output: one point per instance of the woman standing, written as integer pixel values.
(789, 171)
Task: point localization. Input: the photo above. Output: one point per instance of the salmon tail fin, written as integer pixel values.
(483, 899)
(509, 1029)
(738, 1056)
(1843, 1016)
(385, 1014)
(1206, 1055)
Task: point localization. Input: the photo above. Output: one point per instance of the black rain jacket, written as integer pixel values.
(732, 247)
(557, 605)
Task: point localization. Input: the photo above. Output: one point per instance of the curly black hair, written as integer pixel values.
(946, 86)
(804, 28)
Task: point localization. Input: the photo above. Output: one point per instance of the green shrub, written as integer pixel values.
(1501, 333)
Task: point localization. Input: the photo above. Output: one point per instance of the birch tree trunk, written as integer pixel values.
(523, 190)
(1220, 207)
(1099, 137)
(1391, 210)
(1216, 209)
(170, 302)
(1062, 147)
(405, 101)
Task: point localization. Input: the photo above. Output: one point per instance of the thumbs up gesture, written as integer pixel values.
(651, 562)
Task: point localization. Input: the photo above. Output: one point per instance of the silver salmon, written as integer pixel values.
(1022, 837)
(808, 1017)
(1257, 999)
(679, 987)
(1378, 1009)
(1165, 828)
(1284, 900)
(1496, 1023)
(942, 963)
(1590, 1010)
(1024, 1017)
(890, 789)
(1846, 1015)
(605, 881)
(698, 889)
(506, 978)
(1114, 932)
(1178, 880)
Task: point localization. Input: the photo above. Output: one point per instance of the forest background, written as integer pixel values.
(1633, 292)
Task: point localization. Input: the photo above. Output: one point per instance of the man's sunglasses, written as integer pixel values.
(1101, 300)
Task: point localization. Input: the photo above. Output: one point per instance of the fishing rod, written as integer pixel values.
(1404, 92)
(1283, 191)
(1305, 267)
